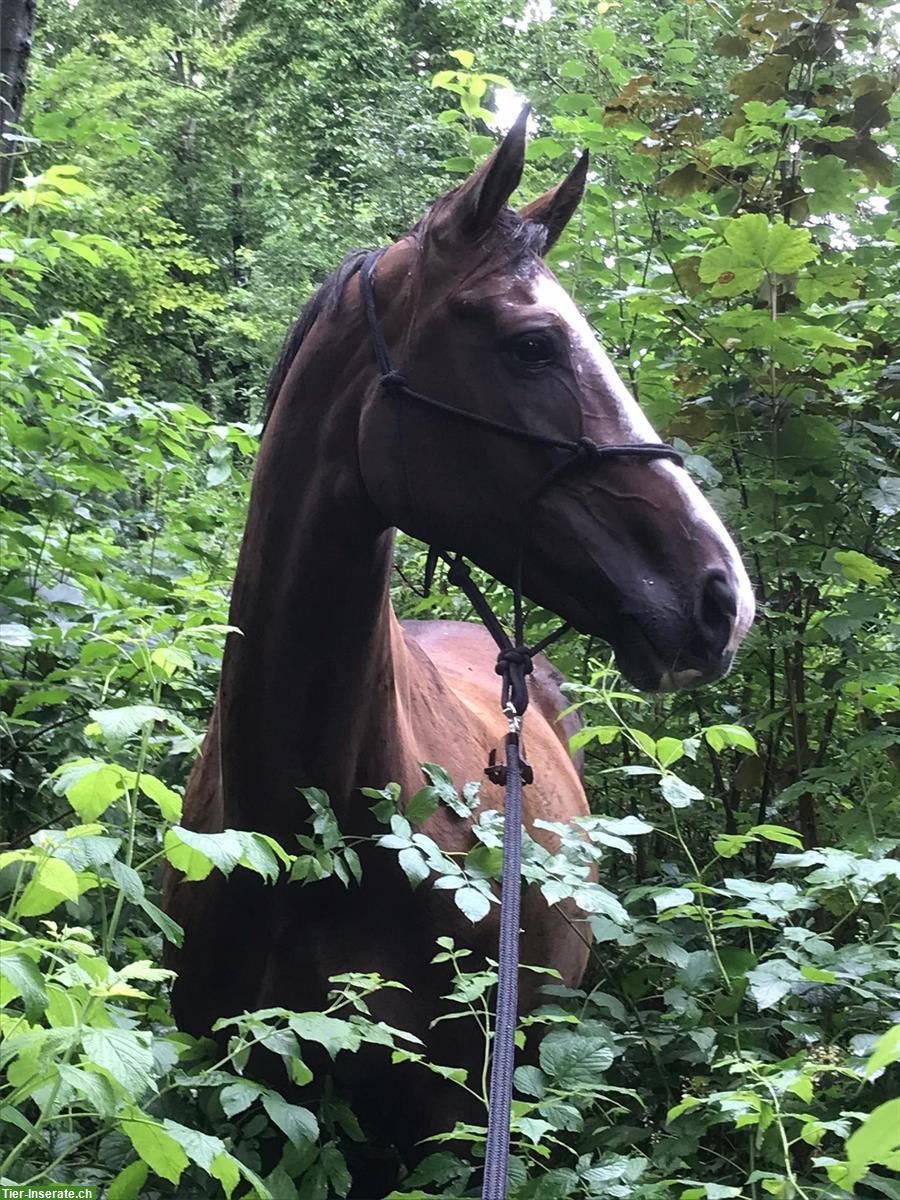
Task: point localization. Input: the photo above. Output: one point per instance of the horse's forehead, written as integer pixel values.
(591, 363)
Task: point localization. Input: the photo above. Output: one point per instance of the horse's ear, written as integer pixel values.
(474, 206)
(554, 209)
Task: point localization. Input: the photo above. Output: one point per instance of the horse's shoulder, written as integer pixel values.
(465, 650)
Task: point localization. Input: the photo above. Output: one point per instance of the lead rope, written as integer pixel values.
(514, 664)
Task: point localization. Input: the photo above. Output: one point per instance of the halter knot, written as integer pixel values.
(393, 379)
(514, 656)
(585, 447)
(514, 663)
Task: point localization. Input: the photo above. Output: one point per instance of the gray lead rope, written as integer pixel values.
(514, 664)
(496, 1153)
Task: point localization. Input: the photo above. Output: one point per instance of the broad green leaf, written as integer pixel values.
(296, 1123)
(26, 977)
(91, 786)
(720, 737)
(200, 1148)
(885, 1051)
(158, 1149)
(169, 802)
(472, 902)
(672, 898)
(677, 792)
(859, 568)
(118, 724)
(125, 1053)
(129, 1183)
(573, 1060)
(53, 882)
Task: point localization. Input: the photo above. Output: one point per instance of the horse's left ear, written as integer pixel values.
(474, 206)
(554, 209)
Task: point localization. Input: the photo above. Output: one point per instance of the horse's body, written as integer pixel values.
(323, 686)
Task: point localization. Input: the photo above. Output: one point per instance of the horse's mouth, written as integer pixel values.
(650, 671)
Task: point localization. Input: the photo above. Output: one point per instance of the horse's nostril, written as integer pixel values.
(717, 609)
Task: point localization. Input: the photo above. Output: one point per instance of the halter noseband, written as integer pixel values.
(515, 658)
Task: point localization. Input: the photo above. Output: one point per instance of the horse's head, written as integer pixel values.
(626, 548)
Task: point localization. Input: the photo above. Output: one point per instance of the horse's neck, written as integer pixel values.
(309, 692)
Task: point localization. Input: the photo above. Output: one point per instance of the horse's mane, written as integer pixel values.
(520, 238)
(323, 301)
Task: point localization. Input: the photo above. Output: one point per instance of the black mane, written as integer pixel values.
(325, 300)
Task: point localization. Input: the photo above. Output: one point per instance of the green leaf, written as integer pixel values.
(53, 882)
(93, 1086)
(158, 1149)
(91, 786)
(25, 976)
(669, 750)
(129, 1183)
(445, 790)
(200, 1148)
(196, 854)
(472, 902)
(118, 724)
(236, 1098)
(464, 57)
(422, 805)
(573, 1060)
(754, 247)
(829, 185)
(859, 568)
(225, 1168)
(544, 147)
(460, 164)
(885, 1051)
(169, 802)
(125, 1053)
(876, 1141)
(677, 793)
(601, 39)
(16, 635)
(672, 898)
(777, 833)
(296, 1123)
(721, 736)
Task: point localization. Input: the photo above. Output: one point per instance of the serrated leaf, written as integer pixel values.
(573, 1060)
(118, 724)
(125, 1053)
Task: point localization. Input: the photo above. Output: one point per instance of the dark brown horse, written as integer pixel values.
(325, 687)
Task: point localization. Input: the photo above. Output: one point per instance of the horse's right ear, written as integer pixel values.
(474, 206)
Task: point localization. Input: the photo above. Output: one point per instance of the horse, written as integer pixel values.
(323, 686)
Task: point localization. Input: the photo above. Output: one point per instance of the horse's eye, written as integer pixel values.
(532, 349)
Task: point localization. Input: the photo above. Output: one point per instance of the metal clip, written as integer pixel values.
(513, 717)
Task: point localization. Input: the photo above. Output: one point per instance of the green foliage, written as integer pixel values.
(190, 174)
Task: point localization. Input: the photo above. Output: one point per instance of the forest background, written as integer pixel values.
(183, 177)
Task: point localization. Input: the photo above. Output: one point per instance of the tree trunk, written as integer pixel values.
(16, 27)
